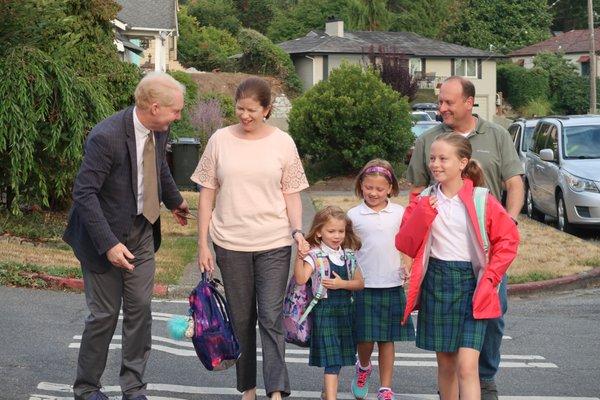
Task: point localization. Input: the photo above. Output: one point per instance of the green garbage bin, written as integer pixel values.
(185, 155)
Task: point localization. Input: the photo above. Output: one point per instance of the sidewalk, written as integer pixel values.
(191, 275)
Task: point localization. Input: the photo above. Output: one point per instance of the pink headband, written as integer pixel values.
(380, 170)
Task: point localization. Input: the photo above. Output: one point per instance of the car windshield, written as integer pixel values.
(582, 141)
(420, 116)
(527, 137)
(419, 129)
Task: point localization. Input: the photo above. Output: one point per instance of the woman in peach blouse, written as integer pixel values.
(252, 174)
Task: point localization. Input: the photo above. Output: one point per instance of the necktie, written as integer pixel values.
(151, 208)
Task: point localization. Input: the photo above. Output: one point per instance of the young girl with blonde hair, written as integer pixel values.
(458, 264)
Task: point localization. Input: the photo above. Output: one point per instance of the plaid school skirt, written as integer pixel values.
(378, 313)
(331, 340)
(445, 321)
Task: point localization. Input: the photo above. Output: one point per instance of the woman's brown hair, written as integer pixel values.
(351, 240)
(377, 167)
(257, 89)
(463, 148)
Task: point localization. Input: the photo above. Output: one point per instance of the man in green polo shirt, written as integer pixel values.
(494, 150)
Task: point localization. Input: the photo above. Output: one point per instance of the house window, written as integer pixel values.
(466, 67)
(415, 66)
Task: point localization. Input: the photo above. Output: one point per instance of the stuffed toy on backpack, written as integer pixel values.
(209, 327)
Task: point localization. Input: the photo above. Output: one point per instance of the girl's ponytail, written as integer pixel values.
(474, 172)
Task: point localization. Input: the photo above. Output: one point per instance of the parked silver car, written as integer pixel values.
(521, 132)
(562, 171)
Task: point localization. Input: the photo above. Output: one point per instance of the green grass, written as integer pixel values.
(35, 225)
(175, 253)
(532, 276)
(591, 262)
(425, 96)
(11, 274)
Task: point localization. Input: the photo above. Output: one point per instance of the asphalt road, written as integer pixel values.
(552, 351)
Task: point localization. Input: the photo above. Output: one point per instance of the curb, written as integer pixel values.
(576, 281)
(76, 284)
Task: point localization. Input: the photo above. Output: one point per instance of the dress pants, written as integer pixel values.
(104, 293)
(255, 284)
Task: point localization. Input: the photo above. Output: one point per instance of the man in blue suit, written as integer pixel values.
(114, 230)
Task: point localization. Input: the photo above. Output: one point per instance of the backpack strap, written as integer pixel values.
(480, 195)
(427, 191)
(350, 263)
(320, 259)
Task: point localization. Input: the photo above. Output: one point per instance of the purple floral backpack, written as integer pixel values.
(213, 337)
(297, 305)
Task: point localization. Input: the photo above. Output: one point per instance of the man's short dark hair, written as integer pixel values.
(467, 86)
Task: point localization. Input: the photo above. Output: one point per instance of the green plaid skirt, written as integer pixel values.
(378, 313)
(331, 339)
(445, 321)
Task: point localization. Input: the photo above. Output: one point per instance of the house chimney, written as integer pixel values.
(334, 27)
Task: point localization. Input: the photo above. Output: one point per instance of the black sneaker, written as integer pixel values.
(488, 390)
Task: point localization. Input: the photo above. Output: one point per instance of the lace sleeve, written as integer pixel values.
(206, 171)
(294, 178)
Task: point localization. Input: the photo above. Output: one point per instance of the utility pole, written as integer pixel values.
(592, 58)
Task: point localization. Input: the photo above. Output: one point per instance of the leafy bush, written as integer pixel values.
(536, 108)
(183, 127)
(204, 48)
(520, 86)
(343, 122)
(226, 104)
(261, 56)
(568, 90)
(46, 111)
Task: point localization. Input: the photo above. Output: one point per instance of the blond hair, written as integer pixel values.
(351, 240)
(157, 87)
(368, 171)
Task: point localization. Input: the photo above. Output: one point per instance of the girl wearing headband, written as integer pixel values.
(379, 307)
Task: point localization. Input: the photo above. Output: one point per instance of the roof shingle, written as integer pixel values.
(359, 43)
(149, 14)
(575, 41)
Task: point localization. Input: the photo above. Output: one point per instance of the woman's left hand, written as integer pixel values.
(334, 283)
(302, 244)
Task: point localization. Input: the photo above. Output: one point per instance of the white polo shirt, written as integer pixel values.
(450, 237)
(378, 258)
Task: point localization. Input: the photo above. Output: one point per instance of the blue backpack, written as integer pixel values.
(214, 339)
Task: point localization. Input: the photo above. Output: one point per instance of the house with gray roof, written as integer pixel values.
(573, 45)
(431, 61)
(147, 32)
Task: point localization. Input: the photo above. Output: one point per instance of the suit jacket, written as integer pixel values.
(105, 191)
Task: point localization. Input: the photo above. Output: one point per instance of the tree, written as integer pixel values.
(217, 13)
(205, 48)
(306, 15)
(352, 117)
(571, 14)
(432, 18)
(368, 15)
(501, 25)
(393, 70)
(255, 14)
(60, 76)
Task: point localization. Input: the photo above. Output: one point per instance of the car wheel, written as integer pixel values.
(532, 212)
(562, 221)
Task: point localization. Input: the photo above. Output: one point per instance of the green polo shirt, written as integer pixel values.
(492, 147)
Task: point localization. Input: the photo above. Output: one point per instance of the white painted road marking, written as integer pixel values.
(198, 390)
(181, 349)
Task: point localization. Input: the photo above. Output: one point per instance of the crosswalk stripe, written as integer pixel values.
(188, 344)
(198, 390)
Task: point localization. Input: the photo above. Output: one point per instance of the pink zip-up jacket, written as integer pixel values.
(414, 240)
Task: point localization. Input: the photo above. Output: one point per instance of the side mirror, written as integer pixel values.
(547, 155)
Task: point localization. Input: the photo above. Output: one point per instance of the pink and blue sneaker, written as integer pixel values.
(360, 382)
(385, 394)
